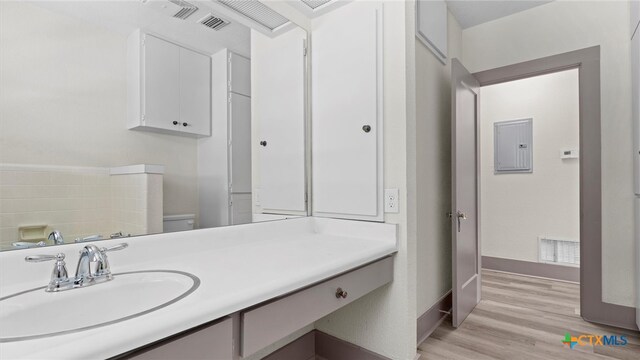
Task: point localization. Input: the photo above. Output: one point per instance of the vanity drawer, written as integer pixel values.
(210, 341)
(269, 323)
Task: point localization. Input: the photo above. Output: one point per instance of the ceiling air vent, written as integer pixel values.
(315, 3)
(185, 9)
(213, 22)
(256, 11)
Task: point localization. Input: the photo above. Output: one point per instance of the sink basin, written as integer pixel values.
(36, 314)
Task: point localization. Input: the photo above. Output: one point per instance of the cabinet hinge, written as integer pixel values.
(229, 97)
(304, 51)
(143, 118)
(306, 198)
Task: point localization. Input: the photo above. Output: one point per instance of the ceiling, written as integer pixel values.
(475, 12)
(126, 16)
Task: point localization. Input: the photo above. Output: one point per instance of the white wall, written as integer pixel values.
(385, 320)
(518, 208)
(563, 26)
(433, 117)
(63, 102)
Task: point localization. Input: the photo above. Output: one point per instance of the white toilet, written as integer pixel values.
(171, 223)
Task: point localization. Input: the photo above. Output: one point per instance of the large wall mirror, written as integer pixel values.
(126, 118)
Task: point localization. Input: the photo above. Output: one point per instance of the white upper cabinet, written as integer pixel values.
(161, 84)
(347, 113)
(278, 112)
(431, 26)
(239, 75)
(240, 143)
(195, 92)
(635, 17)
(169, 87)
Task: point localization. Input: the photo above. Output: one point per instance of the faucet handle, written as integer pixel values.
(114, 248)
(41, 258)
(59, 275)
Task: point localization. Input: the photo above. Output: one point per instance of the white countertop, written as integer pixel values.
(239, 266)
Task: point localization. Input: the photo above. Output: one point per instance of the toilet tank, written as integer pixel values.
(171, 223)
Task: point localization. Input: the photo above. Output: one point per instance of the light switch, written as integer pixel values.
(391, 200)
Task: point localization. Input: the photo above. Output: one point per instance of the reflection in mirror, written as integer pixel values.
(125, 118)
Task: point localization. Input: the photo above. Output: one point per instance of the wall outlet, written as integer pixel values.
(391, 200)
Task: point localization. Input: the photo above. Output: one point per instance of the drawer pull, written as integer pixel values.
(341, 294)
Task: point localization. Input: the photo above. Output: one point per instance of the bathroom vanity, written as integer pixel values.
(258, 283)
(223, 131)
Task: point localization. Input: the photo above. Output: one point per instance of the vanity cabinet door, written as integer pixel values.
(347, 113)
(161, 102)
(213, 342)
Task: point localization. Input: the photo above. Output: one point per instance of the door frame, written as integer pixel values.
(587, 61)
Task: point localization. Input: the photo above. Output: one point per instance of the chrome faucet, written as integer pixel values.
(102, 272)
(56, 238)
(86, 275)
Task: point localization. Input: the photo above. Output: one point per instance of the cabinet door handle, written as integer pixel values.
(341, 294)
(263, 143)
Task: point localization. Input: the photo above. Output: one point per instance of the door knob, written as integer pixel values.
(460, 216)
(263, 143)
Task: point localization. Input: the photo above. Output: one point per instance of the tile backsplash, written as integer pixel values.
(77, 201)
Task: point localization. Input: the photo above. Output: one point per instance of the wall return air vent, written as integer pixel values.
(185, 9)
(213, 22)
(178, 9)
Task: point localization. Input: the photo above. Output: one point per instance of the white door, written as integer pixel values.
(347, 113)
(161, 83)
(195, 93)
(240, 143)
(466, 285)
(278, 113)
